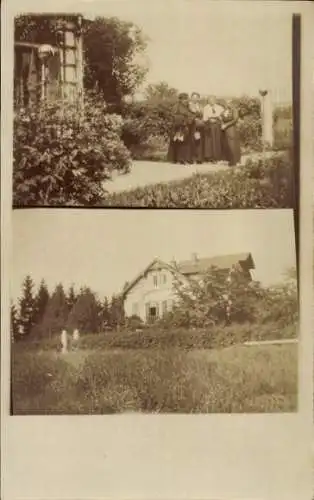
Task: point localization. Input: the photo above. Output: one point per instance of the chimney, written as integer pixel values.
(195, 258)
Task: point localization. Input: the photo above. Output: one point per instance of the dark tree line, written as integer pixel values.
(41, 314)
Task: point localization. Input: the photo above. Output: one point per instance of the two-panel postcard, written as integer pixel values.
(157, 250)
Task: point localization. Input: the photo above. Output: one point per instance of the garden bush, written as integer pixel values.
(62, 156)
(258, 184)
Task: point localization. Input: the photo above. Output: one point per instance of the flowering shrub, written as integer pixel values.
(62, 156)
(258, 184)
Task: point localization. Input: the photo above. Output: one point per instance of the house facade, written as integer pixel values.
(48, 52)
(152, 294)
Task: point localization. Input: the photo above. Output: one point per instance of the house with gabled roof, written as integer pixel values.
(151, 293)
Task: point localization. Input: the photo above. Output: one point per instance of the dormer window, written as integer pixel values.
(155, 280)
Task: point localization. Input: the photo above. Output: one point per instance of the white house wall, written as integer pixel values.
(145, 291)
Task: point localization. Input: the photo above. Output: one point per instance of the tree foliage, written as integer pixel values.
(85, 313)
(40, 302)
(160, 92)
(62, 157)
(221, 298)
(56, 313)
(26, 307)
(111, 48)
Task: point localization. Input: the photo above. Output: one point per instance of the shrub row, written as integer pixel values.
(158, 337)
(258, 184)
(155, 337)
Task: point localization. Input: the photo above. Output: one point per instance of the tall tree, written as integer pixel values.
(71, 297)
(117, 315)
(40, 302)
(14, 322)
(112, 48)
(85, 314)
(112, 51)
(105, 314)
(220, 296)
(27, 307)
(56, 313)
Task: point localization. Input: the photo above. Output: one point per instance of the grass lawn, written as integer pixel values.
(234, 379)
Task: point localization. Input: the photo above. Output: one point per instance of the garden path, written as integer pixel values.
(145, 173)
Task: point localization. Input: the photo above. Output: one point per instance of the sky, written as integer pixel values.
(103, 249)
(214, 47)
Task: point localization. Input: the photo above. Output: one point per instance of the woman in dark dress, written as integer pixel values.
(197, 132)
(180, 146)
(212, 131)
(231, 139)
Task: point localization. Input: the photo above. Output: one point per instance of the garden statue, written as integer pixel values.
(75, 339)
(64, 342)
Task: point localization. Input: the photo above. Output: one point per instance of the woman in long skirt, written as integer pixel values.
(197, 132)
(231, 139)
(212, 131)
(180, 145)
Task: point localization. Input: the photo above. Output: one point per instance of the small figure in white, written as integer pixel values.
(75, 339)
(64, 342)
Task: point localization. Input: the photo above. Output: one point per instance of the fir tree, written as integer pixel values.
(14, 323)
(56, 313)
(85, 314)
(71, 298)
(41, 301)
(27, 307)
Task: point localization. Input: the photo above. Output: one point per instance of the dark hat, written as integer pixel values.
(183, 95)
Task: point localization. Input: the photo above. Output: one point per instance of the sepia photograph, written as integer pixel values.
(133, 104)
(116, 311)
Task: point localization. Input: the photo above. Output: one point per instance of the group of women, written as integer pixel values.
(203, 133)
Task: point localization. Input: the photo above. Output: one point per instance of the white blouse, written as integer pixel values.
(212, 111)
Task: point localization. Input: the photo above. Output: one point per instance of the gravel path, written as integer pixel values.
(145, 173)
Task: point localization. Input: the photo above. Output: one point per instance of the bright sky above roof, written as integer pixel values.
(105, 248)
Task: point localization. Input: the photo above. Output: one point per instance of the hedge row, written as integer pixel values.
(183, 338)
(257, 184)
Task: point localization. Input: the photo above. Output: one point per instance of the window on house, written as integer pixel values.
(152, 312)
(155, 281)
(164, 279)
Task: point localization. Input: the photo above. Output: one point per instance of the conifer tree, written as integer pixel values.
(27, 307)
(56, 313)
(71, 297)
(85, 313)
(14, 322)
(40, 302)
